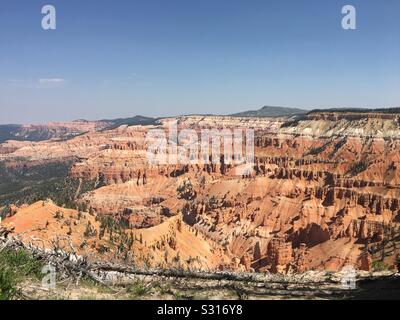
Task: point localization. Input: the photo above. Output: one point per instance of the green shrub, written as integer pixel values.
(317, 150)
(186, 190)
(379, 266)
(15, 266)
(22, 263)
(337, 146)
(358, 167)
(138, 289)
(8, 284)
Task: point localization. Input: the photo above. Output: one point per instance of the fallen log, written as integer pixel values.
(69, 265)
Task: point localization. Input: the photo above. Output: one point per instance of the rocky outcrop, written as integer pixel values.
(324, 191)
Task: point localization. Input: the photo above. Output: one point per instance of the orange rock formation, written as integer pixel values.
(324, 193)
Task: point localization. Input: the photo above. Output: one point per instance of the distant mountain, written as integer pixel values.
(8, 132)
(65, 130)
(133, 121)
(52, 130)
(357, 110)
(268, 111)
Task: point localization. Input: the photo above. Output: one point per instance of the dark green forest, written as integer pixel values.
(28, 184)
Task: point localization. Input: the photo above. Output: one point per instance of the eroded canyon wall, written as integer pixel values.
(323, 192)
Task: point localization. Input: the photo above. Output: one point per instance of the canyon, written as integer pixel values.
(323, 193)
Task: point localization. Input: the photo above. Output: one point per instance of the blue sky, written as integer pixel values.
(120, 58)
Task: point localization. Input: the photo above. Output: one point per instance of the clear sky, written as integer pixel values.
(119, 58)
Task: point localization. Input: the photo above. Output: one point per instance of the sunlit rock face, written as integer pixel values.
(323, 193)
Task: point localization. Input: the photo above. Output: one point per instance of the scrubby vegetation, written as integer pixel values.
(358, 167)
(186, 190)
(337, 147)
(41, 182)
(4, 211)
(317, 150)
(378, 265)
(212, 203)
(15, 267)
(138, 289)
(115, 229)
